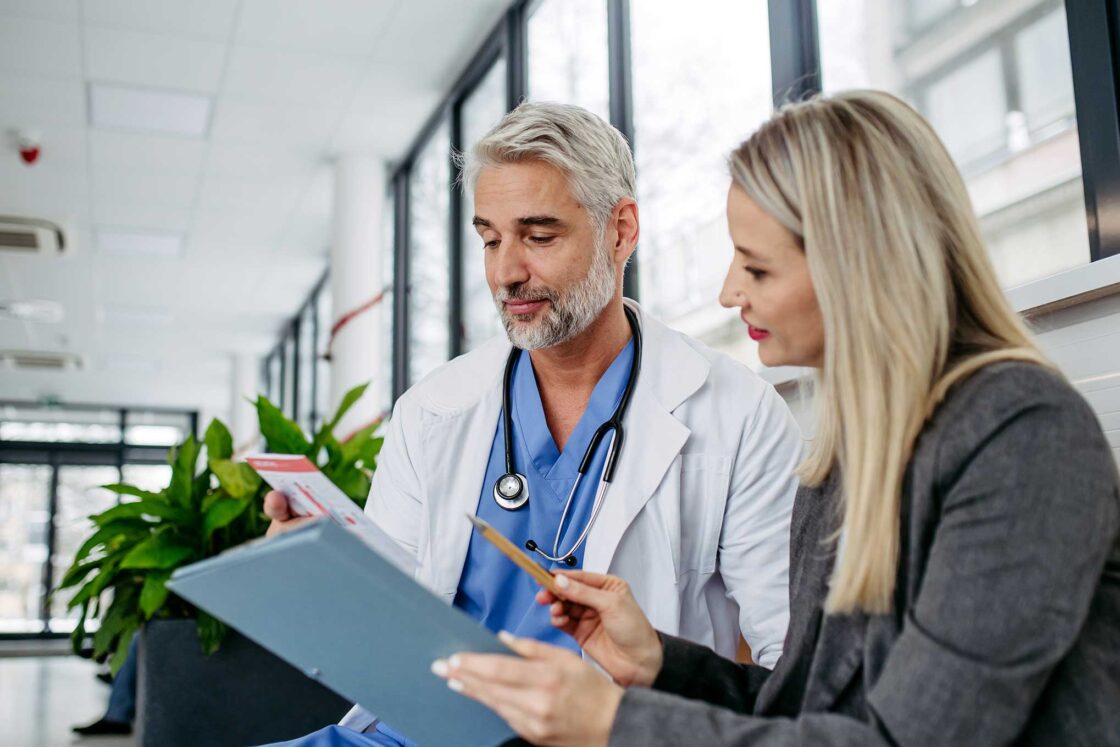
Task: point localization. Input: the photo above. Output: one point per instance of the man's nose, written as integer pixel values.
(509, 265)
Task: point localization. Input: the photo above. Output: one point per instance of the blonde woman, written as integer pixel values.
(955, 570)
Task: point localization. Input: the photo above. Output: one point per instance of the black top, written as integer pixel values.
(1006, 627)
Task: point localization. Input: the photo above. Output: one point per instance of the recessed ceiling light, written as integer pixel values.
(139, 242)
(32, 310)
(134, 315)
(146, 110)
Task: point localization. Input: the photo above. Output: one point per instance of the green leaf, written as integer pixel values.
(354, 482)
(238, 479)
(219, 442)
(222, 513)
(211, 632)
(347, 402)
(78, 635)
(92, 590)
(182, 472)
(77, 572)
(113, 622)
(282, 436)
(162, 550)
(154, 593)
(121, 652)
(352, 447)
(123, 489)
(140, 508)
(107, 533)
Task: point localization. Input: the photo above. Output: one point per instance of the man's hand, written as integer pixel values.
(283, 520)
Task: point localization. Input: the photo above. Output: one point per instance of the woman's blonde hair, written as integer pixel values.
(910, 301)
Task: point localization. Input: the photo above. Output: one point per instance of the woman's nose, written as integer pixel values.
(731, 297)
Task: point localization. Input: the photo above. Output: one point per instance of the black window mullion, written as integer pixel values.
(400, 282)
(1094, 43)
(619, 71)
(795, 66)
(517, 57)
(48, 563)
(455, 234)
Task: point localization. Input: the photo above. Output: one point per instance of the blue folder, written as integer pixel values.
(325, 602)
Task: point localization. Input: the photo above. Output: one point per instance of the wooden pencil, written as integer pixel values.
(511, 551)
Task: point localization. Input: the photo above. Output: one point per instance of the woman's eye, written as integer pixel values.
(756, 273)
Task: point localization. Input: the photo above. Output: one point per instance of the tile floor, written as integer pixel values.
(41, 697)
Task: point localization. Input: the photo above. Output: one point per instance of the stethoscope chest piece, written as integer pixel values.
(511, 491)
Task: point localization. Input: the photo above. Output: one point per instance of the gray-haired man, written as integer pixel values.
(696, 517)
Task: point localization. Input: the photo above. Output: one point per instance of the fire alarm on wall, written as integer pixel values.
(27, 143)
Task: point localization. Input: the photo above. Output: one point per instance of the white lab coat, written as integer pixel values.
(696, 519)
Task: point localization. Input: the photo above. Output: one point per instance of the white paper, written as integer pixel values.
(311, 493)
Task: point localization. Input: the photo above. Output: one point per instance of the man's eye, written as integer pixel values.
(541, 239)
(490, 244)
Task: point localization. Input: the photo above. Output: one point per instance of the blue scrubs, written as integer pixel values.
(492, 589)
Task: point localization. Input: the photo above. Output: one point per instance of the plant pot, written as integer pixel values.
(241, 695)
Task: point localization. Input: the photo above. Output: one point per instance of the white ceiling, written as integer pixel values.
(293, 83)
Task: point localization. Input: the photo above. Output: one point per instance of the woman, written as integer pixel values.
(955, 571)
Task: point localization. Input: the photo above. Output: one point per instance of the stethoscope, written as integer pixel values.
(511, 491)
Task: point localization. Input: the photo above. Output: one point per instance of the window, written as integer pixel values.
(429, 253)
(24, 513)
(480, 111)
(306, 358)
(568, 54)
(701, 82)
(275, 377)
(155, 429)
(323, 380)
(1002, 101)
(79, 495)
(288, 377)
(383, 385)
(53, 425)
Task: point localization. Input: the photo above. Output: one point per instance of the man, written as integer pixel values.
(696, 515)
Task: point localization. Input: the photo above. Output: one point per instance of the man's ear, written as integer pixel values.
(625, 220)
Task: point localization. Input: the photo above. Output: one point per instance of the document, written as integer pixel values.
(311, 493)
(321, 598)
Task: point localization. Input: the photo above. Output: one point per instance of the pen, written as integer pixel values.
(511, 551)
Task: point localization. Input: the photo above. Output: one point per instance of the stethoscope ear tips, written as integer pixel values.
(570, 561)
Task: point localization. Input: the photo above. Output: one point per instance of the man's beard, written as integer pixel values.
(568, 313)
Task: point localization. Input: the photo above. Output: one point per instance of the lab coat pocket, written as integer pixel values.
(704, 481)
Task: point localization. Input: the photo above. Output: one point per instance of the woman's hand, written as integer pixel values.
(601, 614)
(551, 697)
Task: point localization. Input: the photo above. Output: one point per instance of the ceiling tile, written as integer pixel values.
(108, 212)
(438, 38)
(55, 10)
(299, 78)
(30, 45)
(239, 121)
(119, 151)
(225, 227)
(252, 161)
(221, 194)
(351, 27)
(212, 19)
(143, 188)
(39, 102)
(159, 61)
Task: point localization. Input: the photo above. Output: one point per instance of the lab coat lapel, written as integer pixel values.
(671, 372)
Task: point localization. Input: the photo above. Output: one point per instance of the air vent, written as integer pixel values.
(33, 360)
(30, 236)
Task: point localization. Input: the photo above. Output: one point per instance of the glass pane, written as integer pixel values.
(568, 53)
(54, 425)
(288, 350)
(156, 428)
(323, 385)
(481, 111)
(1046, 78)
(717, 51)
(925, 12)
(429, 281)
(1001, 99)
(79, 495)
(306, 364)
(151, 477)
(274, 377)
(24, 513)
(384, 387)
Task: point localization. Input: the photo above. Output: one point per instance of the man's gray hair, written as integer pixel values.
(593, 155)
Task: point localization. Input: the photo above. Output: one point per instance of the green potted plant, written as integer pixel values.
(120, 575)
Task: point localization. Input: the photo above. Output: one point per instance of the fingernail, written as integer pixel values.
(563, 582)
(455, 685)
(439, 668)
(505, 637)
(454, 661)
